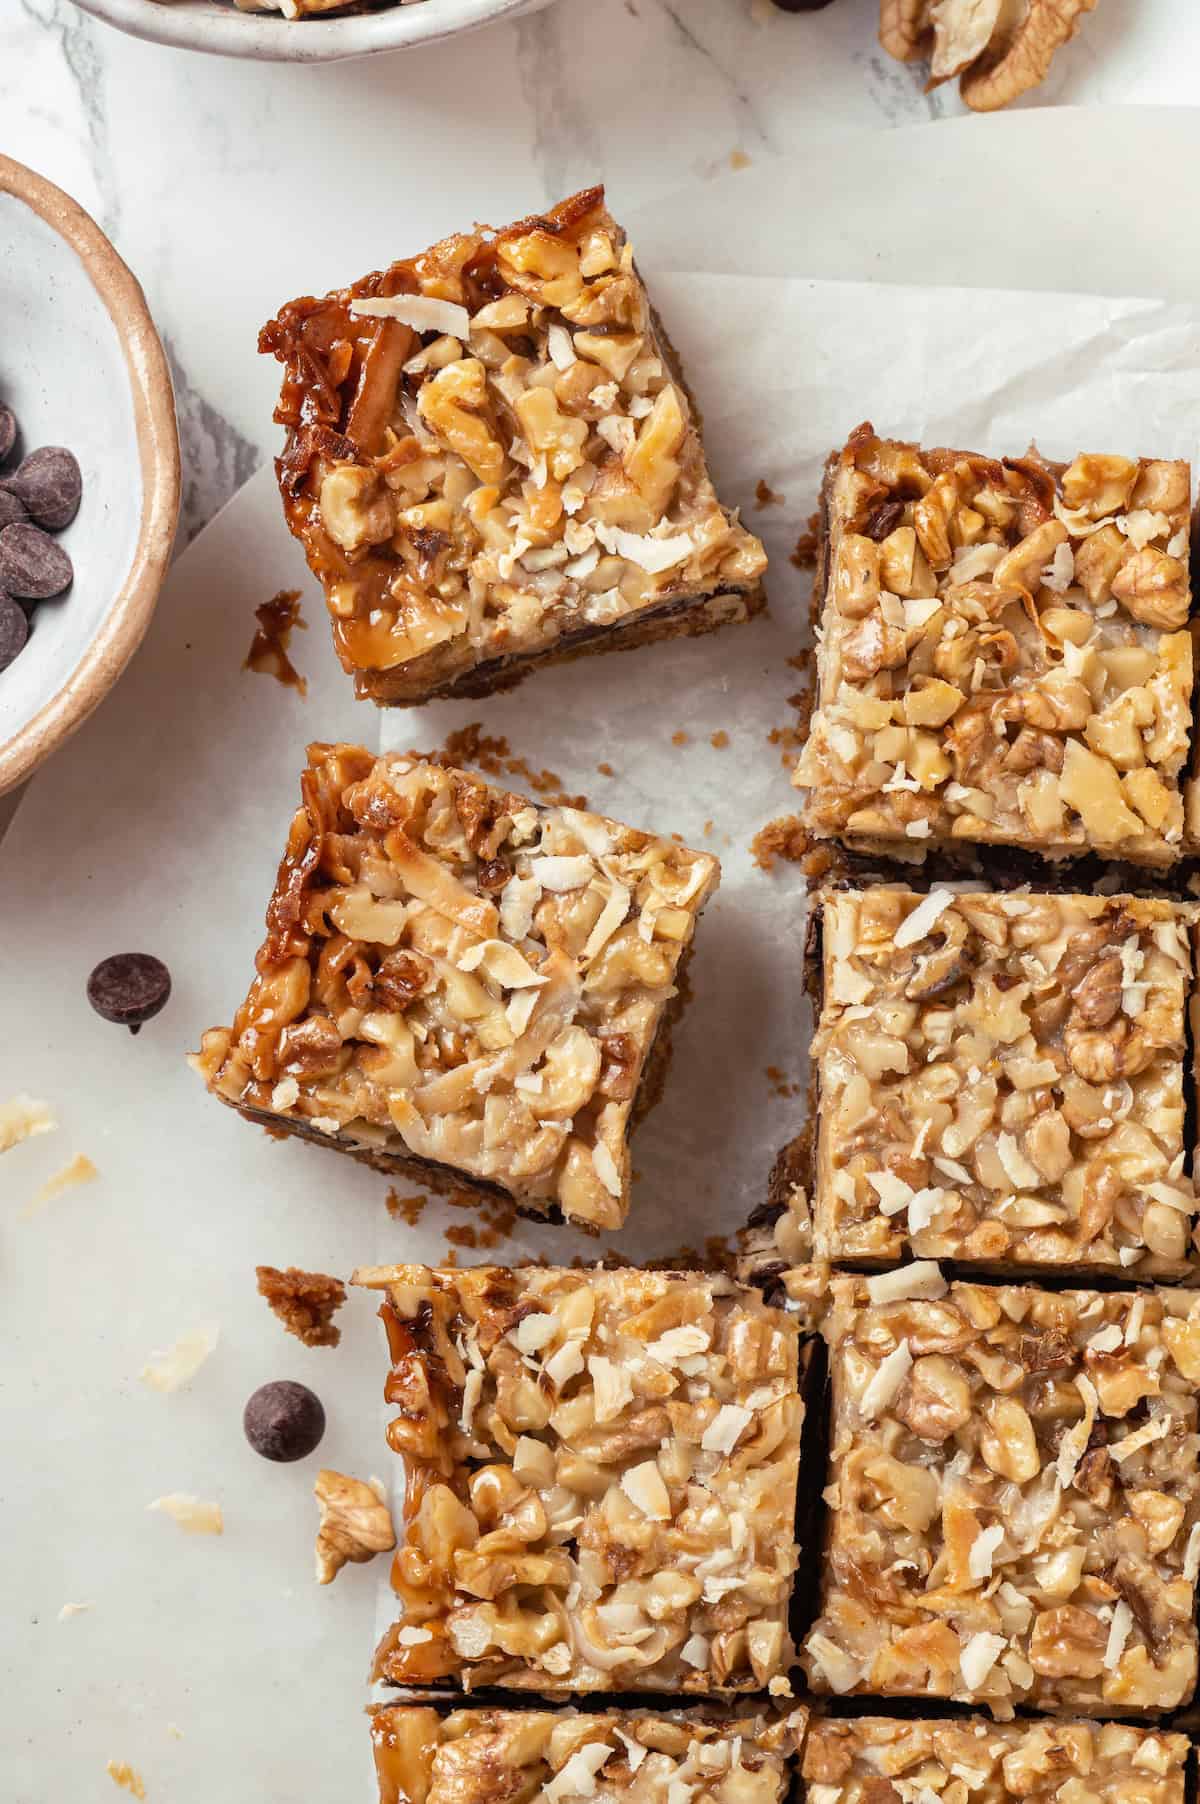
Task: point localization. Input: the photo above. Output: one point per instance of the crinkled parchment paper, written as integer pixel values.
(158, 828)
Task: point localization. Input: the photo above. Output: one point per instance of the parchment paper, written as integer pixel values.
(159, 828)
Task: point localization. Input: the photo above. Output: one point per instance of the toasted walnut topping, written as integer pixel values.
(356, 1523)
(598, 1464)
(563, 1756)
(1001, 1081)
(305, 1302)
(1011, 664)
(489, 458)
(418, 1016)
(974, 1761)
(1010, 1522)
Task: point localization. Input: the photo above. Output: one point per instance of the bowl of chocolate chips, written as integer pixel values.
(89, 468)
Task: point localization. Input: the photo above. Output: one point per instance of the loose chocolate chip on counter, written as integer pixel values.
(14, 630)
(284, 1421)
(802, 6)
(50, 485)
(12, 509)
(32, 566)
(129, 988)
(8, 431)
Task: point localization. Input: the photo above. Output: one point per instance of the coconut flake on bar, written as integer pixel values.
(919, 923)
(726, 1428)
(979, 1656)
(923, 1278)
(886, 1381)
(420, 311)
(1118, 1635)
(649, 554)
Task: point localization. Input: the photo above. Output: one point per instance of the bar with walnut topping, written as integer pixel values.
(600, 1470)
(461, 986)
(1001, 1081)
(1014, 1505)
(492, 462)
(566, 1756)
(1004, 654)
(883, 1760)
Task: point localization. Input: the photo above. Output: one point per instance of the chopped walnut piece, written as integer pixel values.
(524, 484)
(415, 1010)
(1001, 1081)
(599, 1466)
(305, 1302)
(974, 1761)
(563, 1756)
(984, 1427)
(356, 1523)
(1008, 666)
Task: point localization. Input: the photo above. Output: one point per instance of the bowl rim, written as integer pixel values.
(268, 37)
(129, 613)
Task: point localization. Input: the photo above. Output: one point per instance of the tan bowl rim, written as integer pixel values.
(129, 613)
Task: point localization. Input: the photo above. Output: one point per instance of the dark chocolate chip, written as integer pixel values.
(802, 6)
(884, 519)
(12, 508)
(32, 566)
(14, 630)
(50, 485)
(284, 1421)
(129, 988)
(8, 431)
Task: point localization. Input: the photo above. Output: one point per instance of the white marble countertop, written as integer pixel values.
(230, 187)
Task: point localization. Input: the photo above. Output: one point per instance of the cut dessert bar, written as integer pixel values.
(1014, 1497)
(1001, 1080)
(491, 462)
(1004, 655)
(567, 1756)
(883, 1760)
(600, 1474)
(460, 985)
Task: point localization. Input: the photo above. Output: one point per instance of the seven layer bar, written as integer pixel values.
(460, 985)
(566, 1757)
(881, 1760)
(1001, 1081)
(1014, 1496)
(600, 1480)
(1004, 656)
(491, 462)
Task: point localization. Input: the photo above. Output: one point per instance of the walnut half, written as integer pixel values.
(356, 1523)
(999, 51)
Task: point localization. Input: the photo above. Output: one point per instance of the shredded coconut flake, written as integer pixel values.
(79, 1171)
(194, 1516)
(577, 1776)
(562, 873)
(923, 1278)
(1118, 1635)
(420, 311)
(644, 1486)
(726, 1428)
(69, 1610)
(886, 1381)
(606, 1169)
(918, 924)
(23, 1117)
(979, 1656)
(979, 1560)
(168, 1371)
(653, 555)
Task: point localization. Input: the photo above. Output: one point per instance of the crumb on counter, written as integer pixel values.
(785, 837)
(79, 1171)
(305, 1302)
(127, 1777)
(268, 654)
(765, 495)
(168, 1371)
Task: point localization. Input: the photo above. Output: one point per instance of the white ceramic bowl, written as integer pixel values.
(81, 365)
(268, 37)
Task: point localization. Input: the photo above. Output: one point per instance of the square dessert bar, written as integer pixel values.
(498, 1756)
(492, 462)
(1004, 653)
(461, 986)
(600, 1480)
(1014, 1506)
(1001, 1081)
(881, 1760)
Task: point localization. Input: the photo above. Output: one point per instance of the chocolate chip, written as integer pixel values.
(129, 988)
(8, 431)
(32, 566)
(14, 630)
(50, 485)
(12, 508)
(884, 519)
(802, 6)
(284, 1421)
